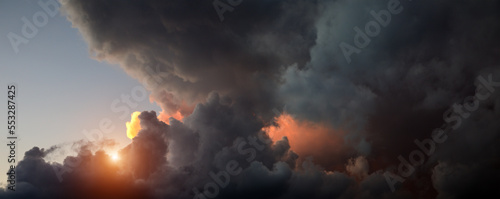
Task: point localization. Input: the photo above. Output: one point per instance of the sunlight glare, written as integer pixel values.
(115, 157)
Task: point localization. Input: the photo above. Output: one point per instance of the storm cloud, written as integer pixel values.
(277, 68)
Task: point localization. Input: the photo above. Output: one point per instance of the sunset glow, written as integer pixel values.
(164, 116)
(306, 138)
(134, 126)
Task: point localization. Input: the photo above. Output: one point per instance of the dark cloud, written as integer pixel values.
(265, 169)
(182, 51)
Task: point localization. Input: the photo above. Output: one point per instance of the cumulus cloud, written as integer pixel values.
(182, 52)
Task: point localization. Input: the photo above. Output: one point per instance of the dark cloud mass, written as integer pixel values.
(231, 79)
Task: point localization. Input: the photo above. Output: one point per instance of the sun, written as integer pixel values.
(115, 157)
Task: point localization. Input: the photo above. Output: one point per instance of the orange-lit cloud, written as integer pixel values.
(307, 138)
(134, 126)
(171, 106)
(164, 116)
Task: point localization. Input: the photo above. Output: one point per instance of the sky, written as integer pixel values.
(54, 73)
(270, 99)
